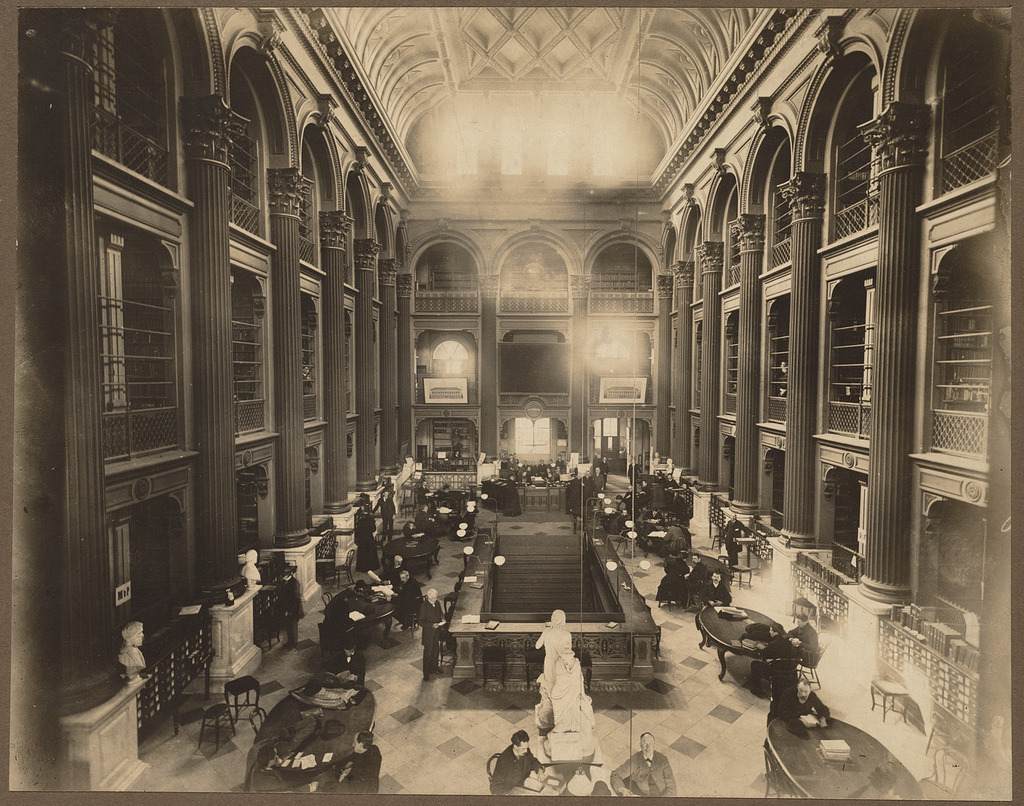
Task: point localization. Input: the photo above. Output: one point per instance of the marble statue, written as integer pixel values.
(565, 713)
(552, 641)
(130, 655)
(249, 571)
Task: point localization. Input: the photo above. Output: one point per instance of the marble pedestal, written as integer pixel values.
(234, 653)
(304, 560)
(101, 746)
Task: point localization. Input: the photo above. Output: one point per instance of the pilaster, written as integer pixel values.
(489, 364)
(387, 271)
(406, 387)
(683, 376)
(578, 392)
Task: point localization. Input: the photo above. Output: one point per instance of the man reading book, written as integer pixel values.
(800, 703)
(514, 765)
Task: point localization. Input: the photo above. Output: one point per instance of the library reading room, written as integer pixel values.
(596, 401)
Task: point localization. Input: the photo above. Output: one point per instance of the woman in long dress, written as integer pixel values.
(366, 544)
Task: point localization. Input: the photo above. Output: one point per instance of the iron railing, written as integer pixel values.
(960, 432)
(242, 159)
(970, 125)
(855, 201)
(113, 138)
(130, 433)
(447, 301)
(847, 561)
(249, 416)
(307, 232)
(850, 418)
(621, 302)
(533, 303)
(777, 409)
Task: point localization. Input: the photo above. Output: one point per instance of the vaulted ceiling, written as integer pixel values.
(619, 84)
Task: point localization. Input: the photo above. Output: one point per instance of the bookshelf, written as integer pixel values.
(732, 363)
(963, 378)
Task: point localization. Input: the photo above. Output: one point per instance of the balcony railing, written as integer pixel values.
(129, 433)
(114, 139)
(621, 302)
(850, 418)
(447, 301)
(730, 402)
(249, 416)
(461, 464)
(782, 245)
(245, 215)
(245, 211)
(530, 303)
(309, 407)
(847, 561)
(970, 162)
(856, 200)
(307, 242)
(777, 409)
(960, 432)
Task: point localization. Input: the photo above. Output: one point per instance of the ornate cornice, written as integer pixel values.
(748, 229)
(387, 270)
(709, 258)
(899, 135)
(683, 270)
(403, 285)
(208, 128)
(287, 190)
(806, 195)
(579, 285)
(335, 226)
(488, 285)
(664, 286)
(367, 250)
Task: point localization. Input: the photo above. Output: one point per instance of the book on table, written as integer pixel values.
(533, 784)
(834, 749)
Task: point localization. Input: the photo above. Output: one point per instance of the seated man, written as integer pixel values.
(646, 773)
(351, 662)
(408, 594)
(800, 703)
(804, 637)
(514, 765)
(389, 574)
(673, 587)
(716, 591)
(359, 772)
(779, 647)
(677, 538)
(697, 578)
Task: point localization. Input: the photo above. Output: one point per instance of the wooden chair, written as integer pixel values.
(950, 767)
(326, 562)
(494, 659)
(256, 719)
(492, 762)
(808, 670)
(890, 694)
(350, 565)
(247, 685)
(774, 777)
(326, 597)
(741, 572)
(448, 646)
(216, 717)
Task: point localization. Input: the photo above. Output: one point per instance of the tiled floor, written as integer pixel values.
(436, 737)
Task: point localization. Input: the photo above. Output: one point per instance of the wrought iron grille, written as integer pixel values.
(522, 303)
(307, 233)
(782, 246)
(447, 301)
(856, 207)
(732, 263)
(130, 433)
(128, 118)
(970, 121)
(247, 367)
(847, 561)
(960, 433)
(309, 407)
(242, 158)
(850, 418)
(621, 302)
(249, 416)
(777, 409)
(973, 161)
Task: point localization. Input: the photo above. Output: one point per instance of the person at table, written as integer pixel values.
(290, 603)
(574, 499)
(389, 575)
(419, 493)
(366, 544)
(733, 532)
(677, 538)
(615, 524)
(800, 703)
(386, 507)
(804, 637)
(716, 591)
(424, 522)
(698, 577)
(351, 663)
(408, 595)
(646, 773)
(779, 647)
(431, 619)
(673, 587)
(514, 765)
(356, 774)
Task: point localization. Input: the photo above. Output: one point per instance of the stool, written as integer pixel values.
(739, 571)
(236, 688)
(214, 717)
(890, 693)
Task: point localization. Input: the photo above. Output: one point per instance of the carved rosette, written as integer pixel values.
(580, 285)
(287, 190)
(709, 257)
(335, 226)
(683, 270)
(664, 286)
(403, 285)
(489, 285)
(367, 250)
(209, 126)
(805, 193)
(899, 135)
(387, 270)
(748, 230)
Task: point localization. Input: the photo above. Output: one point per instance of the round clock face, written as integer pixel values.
(533, 409)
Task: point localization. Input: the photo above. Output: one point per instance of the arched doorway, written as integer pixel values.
(531, 441)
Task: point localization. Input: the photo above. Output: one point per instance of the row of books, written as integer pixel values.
(944, 639)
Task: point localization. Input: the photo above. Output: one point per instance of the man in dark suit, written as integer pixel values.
(514, 765)
(800, 703)
(778, 648)
(359, 772)
(733, 531)
(574, 499)
(386, 506)
(646, 773)
(804, 637)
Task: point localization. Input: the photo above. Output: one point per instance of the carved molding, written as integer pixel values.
(899, 135)
(762, 113)
(367, 250)
(335, 226)
(403, 286)
(683, 270)
(828, 35)
(208, 128)
(664, 286)
(287, 190)
(748, 229)
(387, 270)
(580, 285)
(709, 257)
(488, 284)
(805, 193)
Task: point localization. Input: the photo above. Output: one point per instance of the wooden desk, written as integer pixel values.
(726, 633)
(812, 776)
(418, 551)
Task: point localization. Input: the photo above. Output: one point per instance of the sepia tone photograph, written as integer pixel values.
(596, 401)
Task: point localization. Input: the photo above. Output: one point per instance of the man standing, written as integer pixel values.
(386, 507)
(514, 765)
(290, 602)
(645, 773)
(574, 499)
(431, 620)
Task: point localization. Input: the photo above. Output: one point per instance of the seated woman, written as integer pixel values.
(673, 587)
(408, 594)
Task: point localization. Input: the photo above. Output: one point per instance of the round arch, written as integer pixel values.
(720, 198)
(424, 242)
(195, 70)
(668, 247)
(248, 65)
(762, 152)
(357, 203)
(382, 229)
(567, 251)
(646, 245)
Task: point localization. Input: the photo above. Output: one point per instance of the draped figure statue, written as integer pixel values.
(565, 712)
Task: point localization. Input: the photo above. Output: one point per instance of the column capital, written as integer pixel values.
(209, 126)
(899, 135)
(683, 270)
(387, 270)
(580, 285)
(709, 257)
(664, 286)
(287, 190)
(335, 226)
(748, 229)
(488, 284)
(367, 250)
(805, 193)
(403, 285)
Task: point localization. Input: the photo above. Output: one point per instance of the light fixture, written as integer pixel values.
(468, 550)
(645, 565)
(460, 533)
(631, 535)
(609, 510)
(499, 560)
(483, 496)
(611, 565)
(463, 525)
(629, 524)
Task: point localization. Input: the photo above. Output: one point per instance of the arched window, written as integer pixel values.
(732, 362)
(731, 250)
(309, 358)
(450, 358)
(853, 172)
(852, 338)
(778, 359)
(778, 209)
(698, 338)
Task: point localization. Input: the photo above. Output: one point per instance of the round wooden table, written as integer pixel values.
(802, 764)
(418, 550)
(725, 633)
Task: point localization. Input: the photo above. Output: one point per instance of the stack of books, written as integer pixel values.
(834, 749)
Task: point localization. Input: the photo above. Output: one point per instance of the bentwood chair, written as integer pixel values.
(947, 776)
(491, 764)
(808, 669)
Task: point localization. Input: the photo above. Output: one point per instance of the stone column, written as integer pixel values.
(334, 231)
(403, 290)
(578, 391)
(749, 230)
(489, 364)
(63, 592)
(899, 137)
(366, 452)
(709, 264)
(286, 190)
(683, 378)
(387, 271)
(663, 422)
(806, 193)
